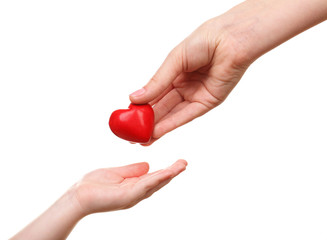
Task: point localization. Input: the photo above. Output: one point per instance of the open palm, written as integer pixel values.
(122, 187)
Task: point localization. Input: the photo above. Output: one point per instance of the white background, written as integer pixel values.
(257, 163)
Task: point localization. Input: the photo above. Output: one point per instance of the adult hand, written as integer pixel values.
(196, 76)
(202, 70)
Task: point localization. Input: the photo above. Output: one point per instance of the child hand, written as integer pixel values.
(102, 190)
(118, 188)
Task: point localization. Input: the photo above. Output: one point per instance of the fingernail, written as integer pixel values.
(138, 92)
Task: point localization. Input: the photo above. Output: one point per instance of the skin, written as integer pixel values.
(196, 76)
(202, 70)
(102, 190)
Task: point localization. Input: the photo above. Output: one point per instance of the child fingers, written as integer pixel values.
(151, 182)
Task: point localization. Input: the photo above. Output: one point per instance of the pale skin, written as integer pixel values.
(200, 72)
(196, 77)
(102, 190)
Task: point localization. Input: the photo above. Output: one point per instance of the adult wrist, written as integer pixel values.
(255, 27)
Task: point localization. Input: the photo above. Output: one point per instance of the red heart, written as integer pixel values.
(134, 124)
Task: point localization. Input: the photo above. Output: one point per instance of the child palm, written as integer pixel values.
(122, 187)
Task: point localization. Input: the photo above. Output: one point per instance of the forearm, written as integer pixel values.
(55, 223)
(260, 25)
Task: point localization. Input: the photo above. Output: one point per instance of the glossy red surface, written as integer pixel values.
(134, 124)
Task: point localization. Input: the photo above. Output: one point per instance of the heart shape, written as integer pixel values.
(134, 124)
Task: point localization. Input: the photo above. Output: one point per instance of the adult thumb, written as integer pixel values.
(166, 74)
